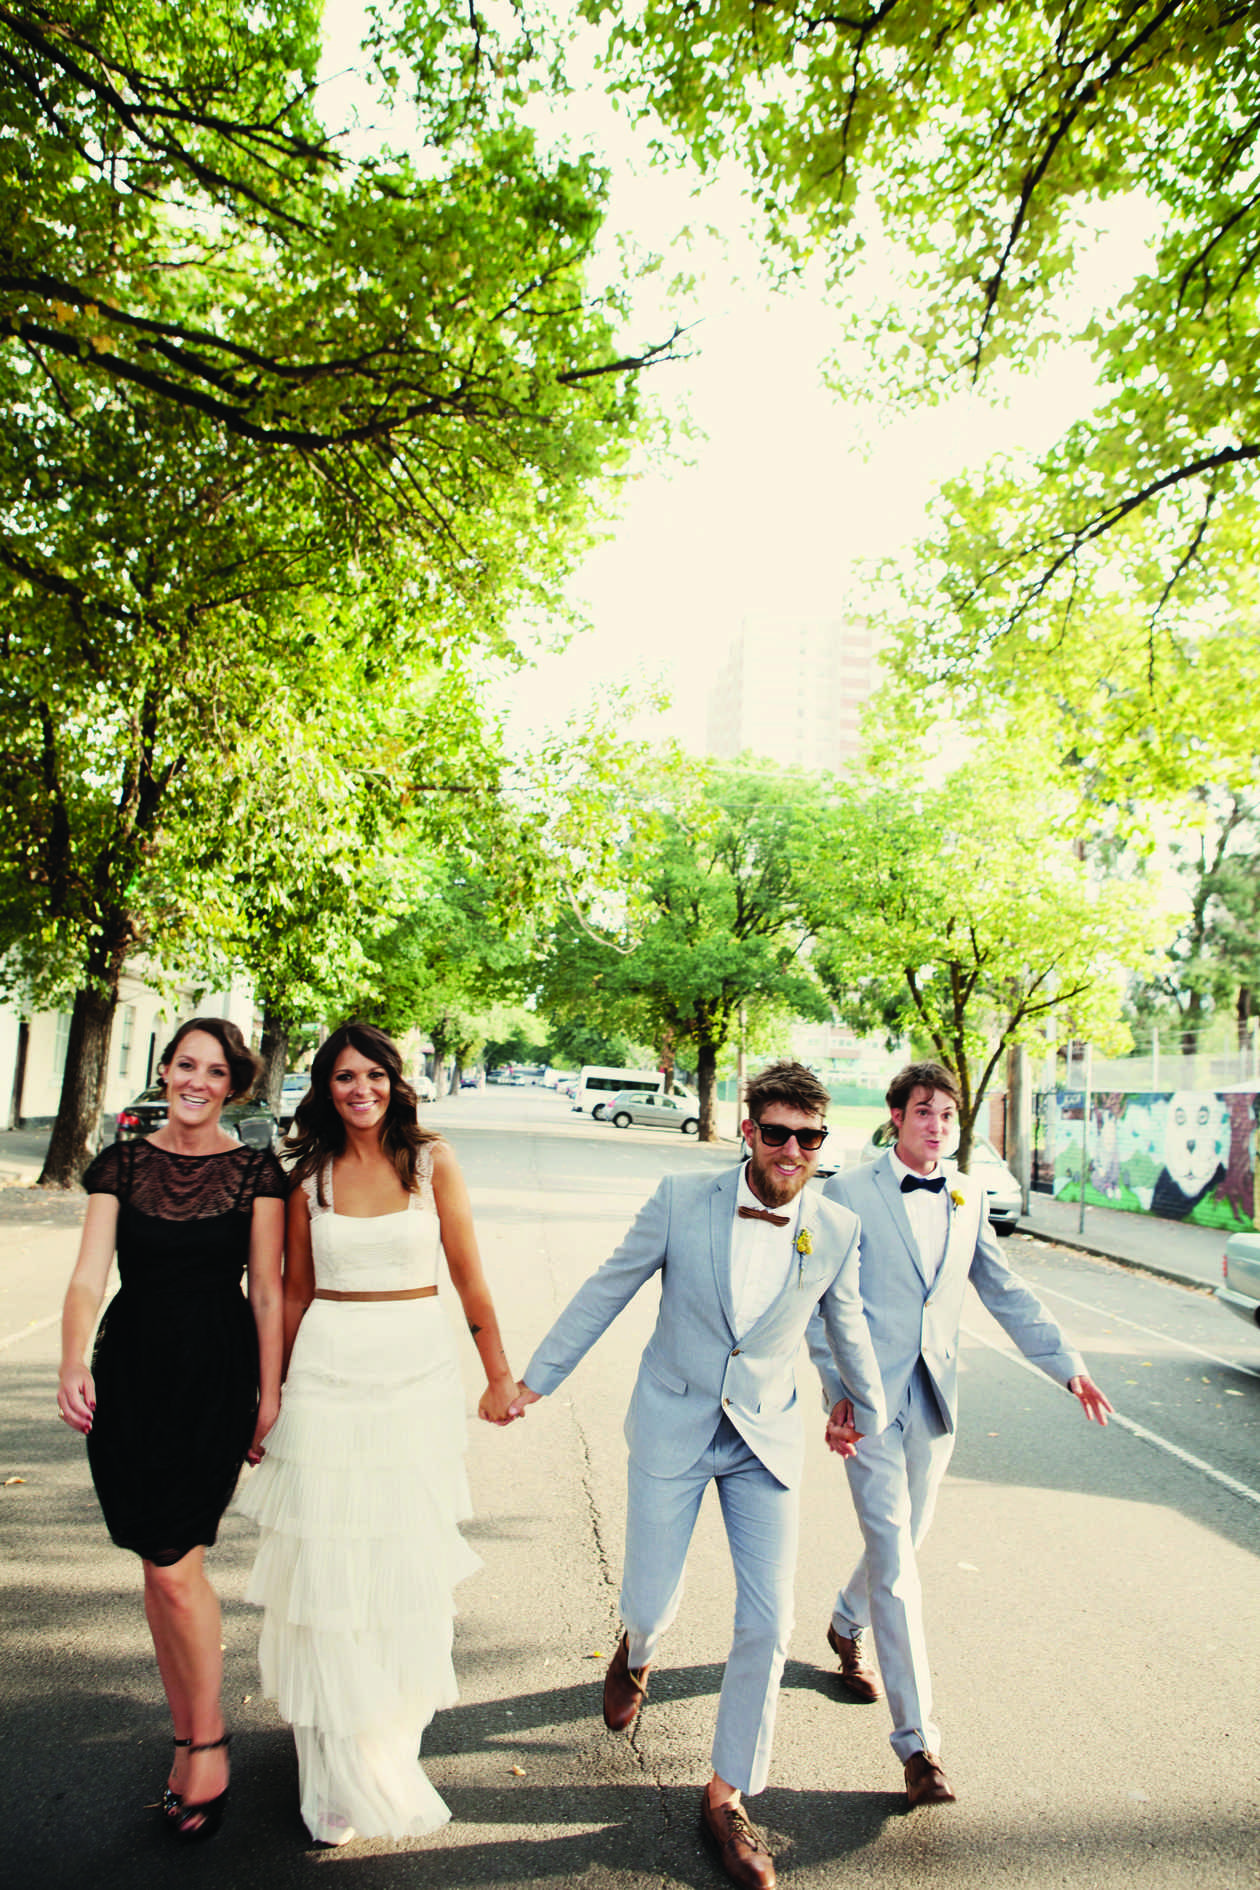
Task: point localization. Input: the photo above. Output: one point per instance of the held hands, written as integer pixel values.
(841, 1434)
(499, 1401)
(523, 1399)
(267, 1415)
(76, 1397)
(1092, 1401)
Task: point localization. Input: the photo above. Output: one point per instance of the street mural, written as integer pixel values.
(1190, 1155)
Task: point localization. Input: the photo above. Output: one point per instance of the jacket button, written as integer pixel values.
(735, 1353)
(726, 1401)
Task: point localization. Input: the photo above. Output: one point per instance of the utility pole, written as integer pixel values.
(1019, 1121)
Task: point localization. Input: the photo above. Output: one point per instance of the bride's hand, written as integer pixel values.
(496, 1402)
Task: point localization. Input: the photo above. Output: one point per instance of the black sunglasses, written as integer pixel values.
(774, 1135)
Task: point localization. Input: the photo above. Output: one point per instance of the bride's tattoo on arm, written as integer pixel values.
(473, 1329)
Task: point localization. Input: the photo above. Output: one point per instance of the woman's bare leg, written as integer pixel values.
(183, 1615)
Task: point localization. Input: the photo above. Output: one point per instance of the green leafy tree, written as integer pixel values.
(272, 379)
(1213, 963)
(1111, 581)
(956, 909)
(726, 892)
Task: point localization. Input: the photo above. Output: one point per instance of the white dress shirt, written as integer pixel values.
(928, 1214)
(761, 1256)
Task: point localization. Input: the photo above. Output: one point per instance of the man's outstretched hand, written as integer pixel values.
(1092, 1401)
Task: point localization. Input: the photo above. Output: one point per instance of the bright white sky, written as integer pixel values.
(787, 494)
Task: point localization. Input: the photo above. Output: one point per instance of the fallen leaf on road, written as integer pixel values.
(518, 1771)
(596, 1655)
(9, 1480)
(970, 1567)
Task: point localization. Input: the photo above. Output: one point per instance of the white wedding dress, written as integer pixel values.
(358, 1499)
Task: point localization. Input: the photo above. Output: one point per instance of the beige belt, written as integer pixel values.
(412, 1292)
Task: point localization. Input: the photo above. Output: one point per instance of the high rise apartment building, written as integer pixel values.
(792, 689)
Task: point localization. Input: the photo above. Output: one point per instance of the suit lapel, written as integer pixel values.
(721, 1220)
(889, 1187)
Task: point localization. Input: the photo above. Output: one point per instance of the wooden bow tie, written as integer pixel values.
(764, 1214)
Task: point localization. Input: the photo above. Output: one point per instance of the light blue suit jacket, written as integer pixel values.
(910, 1319)
(695, 1368)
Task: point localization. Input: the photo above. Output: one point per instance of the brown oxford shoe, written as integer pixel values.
(926, 1783)
(859, 1681)
(624, 1688)
(740, 1846)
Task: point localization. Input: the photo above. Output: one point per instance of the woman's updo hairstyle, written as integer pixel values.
(244, 1066)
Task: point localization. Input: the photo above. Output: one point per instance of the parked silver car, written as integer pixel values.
(987, 1166)
(630, 1107)
(292, 1090)
(1240, 1288)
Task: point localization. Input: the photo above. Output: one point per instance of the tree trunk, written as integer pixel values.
(706, 1083)
(274, 1051)
(78, 1123)
(457, 1075)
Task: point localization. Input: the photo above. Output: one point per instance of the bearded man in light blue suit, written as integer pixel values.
(744, 1258)
(922, 1243)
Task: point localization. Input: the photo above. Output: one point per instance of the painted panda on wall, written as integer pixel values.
(1196, 1145)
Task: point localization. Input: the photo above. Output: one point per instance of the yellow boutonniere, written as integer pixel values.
(958, 1198)
(804, 1244)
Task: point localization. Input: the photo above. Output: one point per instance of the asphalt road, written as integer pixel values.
(1093, 1606)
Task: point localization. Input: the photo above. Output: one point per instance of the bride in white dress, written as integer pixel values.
(362, 1486)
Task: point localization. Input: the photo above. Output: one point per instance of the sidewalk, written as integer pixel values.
(1189, 1255)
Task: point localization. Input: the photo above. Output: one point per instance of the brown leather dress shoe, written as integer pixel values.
(926, 1783)
(859, 1681)
(740, 1846)
(624, 1688)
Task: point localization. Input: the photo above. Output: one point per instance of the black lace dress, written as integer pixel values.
(176, 1356)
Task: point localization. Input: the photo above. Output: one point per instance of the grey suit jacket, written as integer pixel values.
(694, 1369)
(908, 1318)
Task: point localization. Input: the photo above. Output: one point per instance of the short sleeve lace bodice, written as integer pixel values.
(165, 1186)
(386, 1253)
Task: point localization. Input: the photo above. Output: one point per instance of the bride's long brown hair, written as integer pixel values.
(318, 1134)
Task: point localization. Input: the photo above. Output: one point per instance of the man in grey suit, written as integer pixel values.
(921, 1243)
(744, 1258)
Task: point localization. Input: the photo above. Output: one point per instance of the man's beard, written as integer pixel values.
(772, 1188)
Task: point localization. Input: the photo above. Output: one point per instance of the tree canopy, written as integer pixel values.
(721, 899)
(974, 147)
(285, 432)
(956, 909)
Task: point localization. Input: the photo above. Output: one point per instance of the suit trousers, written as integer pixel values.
(894, 1480)
(762, 1525)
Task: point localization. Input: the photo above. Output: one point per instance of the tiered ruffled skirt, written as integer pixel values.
(358, 1499)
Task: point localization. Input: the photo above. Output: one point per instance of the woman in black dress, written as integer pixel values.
(185, 1375)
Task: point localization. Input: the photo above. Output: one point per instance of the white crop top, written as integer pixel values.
(384, 1253)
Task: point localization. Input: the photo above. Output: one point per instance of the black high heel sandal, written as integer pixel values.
(210, 1811)
(171, 1802)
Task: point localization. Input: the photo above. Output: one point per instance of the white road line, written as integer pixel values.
(1167, 1338)
(1136, 1430)
(36, 1325)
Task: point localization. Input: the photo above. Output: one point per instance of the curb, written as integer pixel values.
(1080, 1244)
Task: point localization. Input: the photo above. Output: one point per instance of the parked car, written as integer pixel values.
(987, 1166)
(630, 1107)
(1240, 1288)
(250, 1119)
(292, 1090)
(423, 1086)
